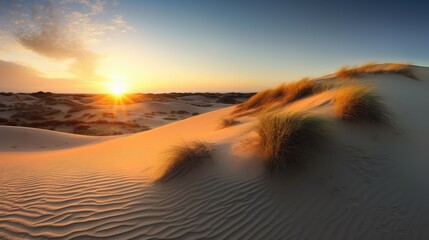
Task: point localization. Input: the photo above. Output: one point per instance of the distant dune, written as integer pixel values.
(32, 139)
(103, 114)
(367, 179)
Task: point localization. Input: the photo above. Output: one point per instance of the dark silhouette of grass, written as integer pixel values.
(185, 158)
(81, 129)
(182, 112)
(34, 112)
(228, 122)
(357, 102)
(4, 121)
(170, 118)
(286, 139)
(81, 108)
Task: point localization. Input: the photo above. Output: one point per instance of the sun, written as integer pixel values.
(117, 87)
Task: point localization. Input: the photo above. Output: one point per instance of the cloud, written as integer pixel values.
(51, 35)
(96, 7)
(64, 30)
(119, 22)
(16, 77)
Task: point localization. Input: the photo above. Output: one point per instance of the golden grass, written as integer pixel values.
(286, 139)
(185, 158)
(287, 93)
(357, 102)
(297, 90)
(346, 73)
(256, 100)
(284, 93)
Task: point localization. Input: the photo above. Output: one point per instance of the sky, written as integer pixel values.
(87, 46)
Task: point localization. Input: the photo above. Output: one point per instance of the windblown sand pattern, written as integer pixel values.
(92, 205)
(100, 205)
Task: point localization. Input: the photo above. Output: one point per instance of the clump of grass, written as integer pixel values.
(182, 112)
(79, 108)
(184, 158)
(297, 90)
(286, 139)
(324, 85)
(256, 100)
(81, 128)
(346, 73)
(357, 102)
(284, 93)
(228, 122)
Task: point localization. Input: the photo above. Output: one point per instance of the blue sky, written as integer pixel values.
(233, 45)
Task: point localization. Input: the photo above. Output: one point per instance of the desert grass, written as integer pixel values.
(256, 100)
(182, 112)
(228, 122)
(358, 102)
(184, 158)
(284, 93)
(346, 73)
(287, 139)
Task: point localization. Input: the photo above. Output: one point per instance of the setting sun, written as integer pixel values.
(117, 88)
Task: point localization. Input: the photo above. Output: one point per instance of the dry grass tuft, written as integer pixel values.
(259, 99)
(284, 93)
(228, 122)
(346, 73)
(286, 139)
(184, 158)
(357, 102)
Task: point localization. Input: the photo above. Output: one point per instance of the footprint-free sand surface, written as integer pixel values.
(369, 182)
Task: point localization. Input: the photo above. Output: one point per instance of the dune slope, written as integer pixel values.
(33, 139)
(369, 182)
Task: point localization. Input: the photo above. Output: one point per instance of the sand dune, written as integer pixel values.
(370, 181)
(33, 139)
(105, 115)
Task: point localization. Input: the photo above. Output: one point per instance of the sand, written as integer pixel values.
(370, 181)
(105, 115)
(33, 139)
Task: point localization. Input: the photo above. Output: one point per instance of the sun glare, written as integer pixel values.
(117, 88)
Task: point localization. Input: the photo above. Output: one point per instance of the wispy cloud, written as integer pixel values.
(119, 22)
(64, 30)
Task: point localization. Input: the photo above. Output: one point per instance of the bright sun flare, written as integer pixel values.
(117, 88)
